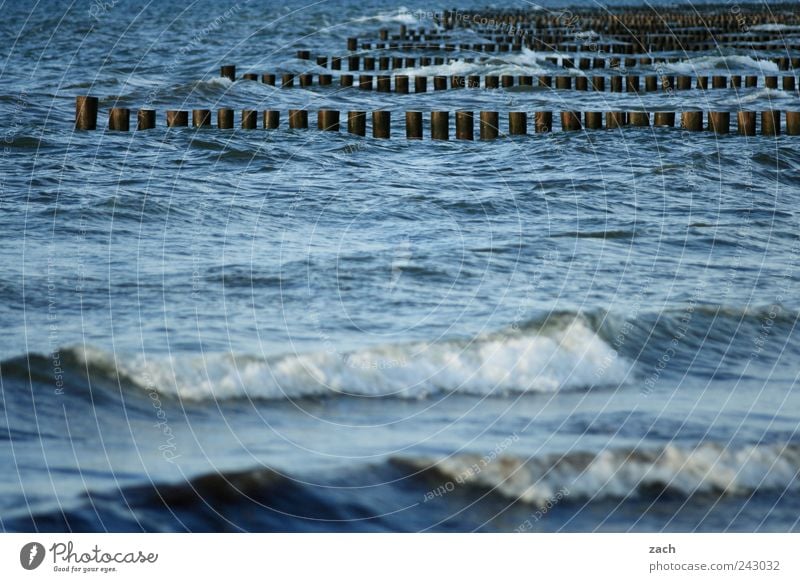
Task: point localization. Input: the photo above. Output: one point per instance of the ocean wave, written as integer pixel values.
(729, 63)
(561, 357)
(705, 469)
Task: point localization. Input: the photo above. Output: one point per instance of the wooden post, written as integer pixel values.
(563, 82)
(719, 82)
(581, 83)
(439, 83)
(201, 118)
(517, 123)
(272, 119)
(413, 124)
(384, 84)
(771, 82)
(599, 83)
(770, 122)
(684, 82)
(177, 118)
(651, 83)
(750, 81)
(287, 80)
(365, 82)
(545, 81)
(489, 124)
(491, 82)
(543, 121)
(719, 121)
(346, 80)
(86, 112)
(357, 122)
(465, 128)
(632, 83)
(250, 77)
(788, 84)
(298, 119)
(146, 119)
(420, 84)
(306, 80)
(249, 119)
(225, 118)
(793, 123)
(506, 81)
(615, 119)
(228, 71)
(381, 124)
(639, 118)
(746, 122)
(440, 125)
(119, 119)
(328, 120)
(664, 119)
(352, 44)
(401, 84)
(692, 120)
(616, 84)
(325, 79)
(570, 120)
(593, 120)
(268, 79)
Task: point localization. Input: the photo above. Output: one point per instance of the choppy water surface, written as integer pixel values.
(291, 330)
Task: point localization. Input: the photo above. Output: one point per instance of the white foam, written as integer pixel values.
(720, 63)
(707, 468)
(571, 357)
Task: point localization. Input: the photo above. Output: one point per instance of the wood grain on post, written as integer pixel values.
(616, 84)
(249, 119)
(119, 119)
(639, 118)
(298, 119)
(793, 123)
(357, 123)
(401, 84)
(651, 83)
(413, 124)
(381, 124)
(440, 125)
(692, 120)
(365, 82)
(272, 119)
(770, 122)
(543, 121)
(517, 123)
(145, 119)
(225, 118)
(615, 119)
(177, 118)
(328, 120)
(325, 79)
(570, 120)
(439, 83)
(598, 83)
(306, 80)
(545, 81)
(420, 84)
(346, 80)
(719, 121)
(228, 71)
(268, 79)
(489, 125)
(491, 82)
(287, 80)
(593, 120)
(750, 81)
(581, 83)
(465, 125)
(664, 119)
(632, 83)
(86, 112)
(771, 82)
(201, 117)
(684, 82)
(746, 122)
(563, 82)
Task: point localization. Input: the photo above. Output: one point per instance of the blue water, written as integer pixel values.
(296, 331)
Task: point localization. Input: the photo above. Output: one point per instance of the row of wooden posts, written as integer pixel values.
(86, 108)
(362, 62)
(616, 84)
